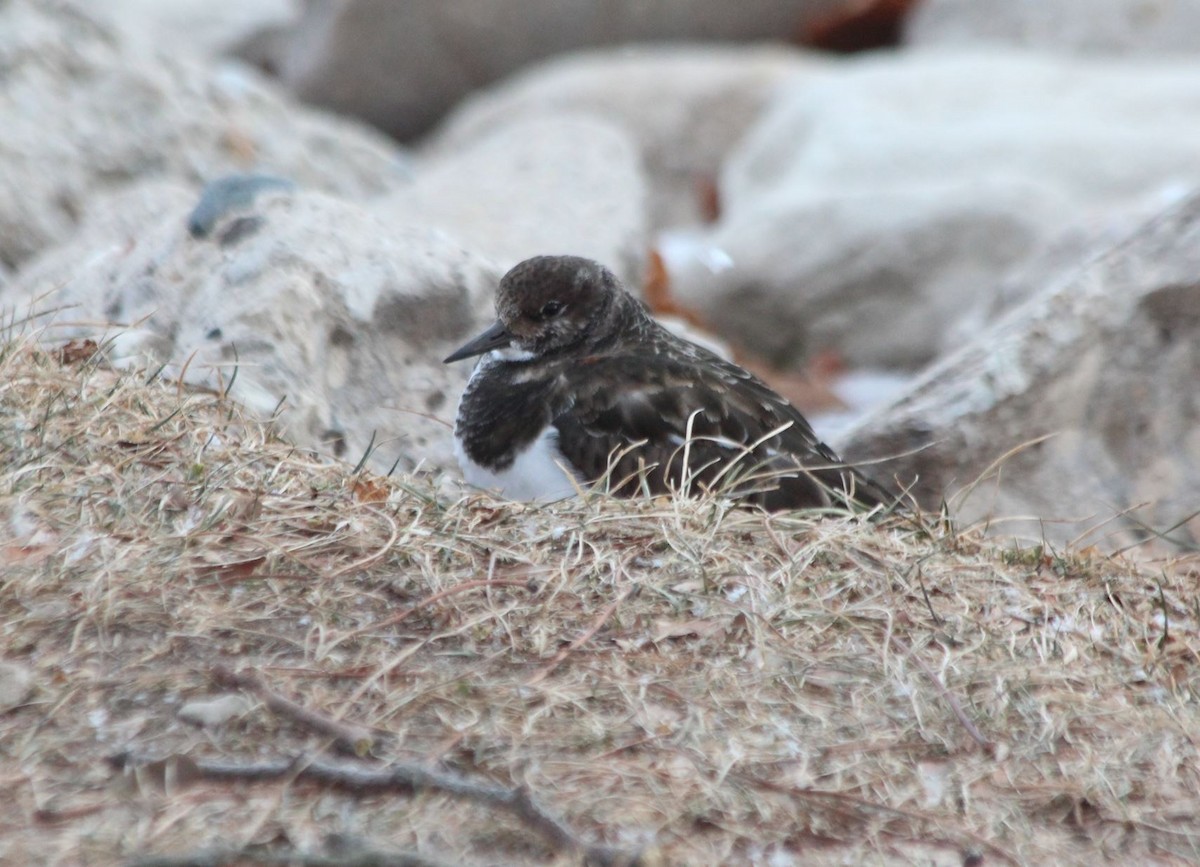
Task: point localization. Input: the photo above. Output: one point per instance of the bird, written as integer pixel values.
(578, 383)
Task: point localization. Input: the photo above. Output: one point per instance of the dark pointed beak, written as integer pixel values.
(496, 337)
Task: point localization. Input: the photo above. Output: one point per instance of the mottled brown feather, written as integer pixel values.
(620, 389)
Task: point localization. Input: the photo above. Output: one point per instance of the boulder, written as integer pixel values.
(87, 108)
(288, 298)
(1071, 248)
(202, 27)
(868, 211)
(1076, 416)
(402, 65)
(547, 184)
(16, 684)
(1091, 26)
(686, 106)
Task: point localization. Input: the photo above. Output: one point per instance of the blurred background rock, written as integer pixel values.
(945, 228)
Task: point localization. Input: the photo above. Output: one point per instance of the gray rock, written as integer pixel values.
(215, 711)
(870, 210)
(16, 684)
(402, 65)
(1077, 405)
(230, 194)
(1071, 249)
(88, 108)
(685, 106)
(563, 184)
(203, 27)
(1148, 27)
(311, 300)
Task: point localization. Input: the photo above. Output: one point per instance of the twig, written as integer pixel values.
(407, 779)
(379, 552)
(429, 600)
(925, 593)
(287, 858)
(69, 814)
(987, 746)
(545, 671)
(346, 736)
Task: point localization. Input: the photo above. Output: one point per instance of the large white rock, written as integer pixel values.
(1076, 406)
(685, 106)
(85, 107)
(1150, 27)
(868, 211)
(204, 27)
(296, 298)
(549, 184)
(402, 65)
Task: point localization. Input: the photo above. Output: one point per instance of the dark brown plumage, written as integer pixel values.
(576, 359)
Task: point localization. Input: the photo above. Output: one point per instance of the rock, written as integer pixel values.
(685, 106)
(16, 683)
(202, 27)
(228, 195)
(215, 711)
(312, 300)
(1077, 405)
(868, 211)
(88, 108)
(1064, 252)
(564, 184)
(1115, 26)
(402, 65)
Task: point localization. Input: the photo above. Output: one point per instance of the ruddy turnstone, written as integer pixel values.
(578, 383)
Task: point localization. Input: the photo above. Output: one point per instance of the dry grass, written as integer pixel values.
(690, 682)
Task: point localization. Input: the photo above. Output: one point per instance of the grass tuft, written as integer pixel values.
(696, 683)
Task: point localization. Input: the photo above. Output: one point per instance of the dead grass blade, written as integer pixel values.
(711, 685)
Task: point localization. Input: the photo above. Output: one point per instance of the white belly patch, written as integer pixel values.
(538, 473)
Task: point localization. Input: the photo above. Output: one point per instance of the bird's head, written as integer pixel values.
(548, 304)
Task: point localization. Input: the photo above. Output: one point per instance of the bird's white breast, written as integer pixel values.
(538, 473)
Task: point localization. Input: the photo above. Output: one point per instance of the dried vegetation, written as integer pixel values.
(219, 649)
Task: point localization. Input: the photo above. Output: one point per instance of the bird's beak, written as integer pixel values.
(496, 337)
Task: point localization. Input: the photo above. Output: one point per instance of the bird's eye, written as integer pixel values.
(551, 308)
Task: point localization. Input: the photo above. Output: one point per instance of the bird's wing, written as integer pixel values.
(633, 411)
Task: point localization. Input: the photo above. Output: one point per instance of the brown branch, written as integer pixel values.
(287, 858)
(407, 779)
(545, 671)
(346, 736)
(69, 814)
(986, 745)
